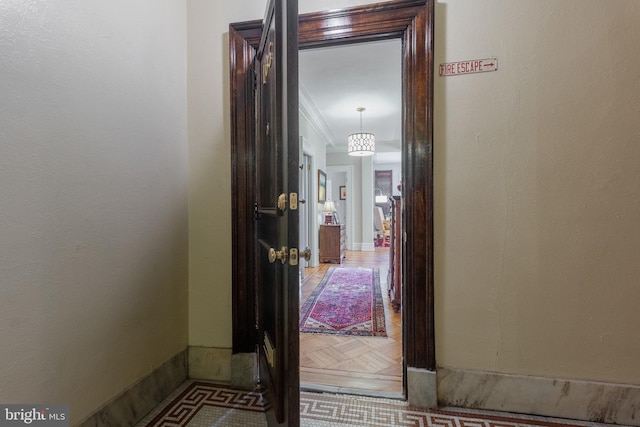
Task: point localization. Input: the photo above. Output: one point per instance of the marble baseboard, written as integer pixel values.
(243, 371)
(421, 388)
(134, 403)
(561, 398)
(210, 363)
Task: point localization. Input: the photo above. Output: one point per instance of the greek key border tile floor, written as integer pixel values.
(206, 404)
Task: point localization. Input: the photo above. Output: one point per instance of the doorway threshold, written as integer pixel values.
(320, 388)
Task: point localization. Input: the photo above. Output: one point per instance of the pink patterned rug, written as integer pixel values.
(348, 301)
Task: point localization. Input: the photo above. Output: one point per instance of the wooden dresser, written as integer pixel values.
(332, 243)
(395, 254)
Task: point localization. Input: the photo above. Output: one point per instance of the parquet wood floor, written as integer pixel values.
(362, 365)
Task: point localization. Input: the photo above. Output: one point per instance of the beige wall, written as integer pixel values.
(536, 185)
(93, 196)
(537, 189)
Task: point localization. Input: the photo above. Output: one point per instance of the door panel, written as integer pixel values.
(276, 162)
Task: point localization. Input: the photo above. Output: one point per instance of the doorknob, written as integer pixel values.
(303, 201)
(281, 255)
(306, 254)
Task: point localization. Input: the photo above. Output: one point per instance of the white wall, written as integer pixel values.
(354, 198)
(315, 146)
(537, 189)
(318, 144)
(93, 197)
(338, 179)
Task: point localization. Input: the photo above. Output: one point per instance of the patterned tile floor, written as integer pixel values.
(205, 404)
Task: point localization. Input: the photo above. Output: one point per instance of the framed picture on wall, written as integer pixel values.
(343, 192)
(322, 186)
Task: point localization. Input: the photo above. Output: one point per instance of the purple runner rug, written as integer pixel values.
(348, 301)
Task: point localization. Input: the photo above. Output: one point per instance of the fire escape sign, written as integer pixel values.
(469, 67)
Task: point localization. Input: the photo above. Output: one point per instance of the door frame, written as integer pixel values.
(312, 221)
(413, 22)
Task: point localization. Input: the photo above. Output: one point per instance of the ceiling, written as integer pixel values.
(335, 81)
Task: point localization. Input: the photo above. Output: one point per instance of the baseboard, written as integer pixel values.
(210, 363)
(560, 398)
(134, 403)
(243, 371)
(366, 247)
(421, 388)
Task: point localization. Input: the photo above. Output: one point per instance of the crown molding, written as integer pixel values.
(309, 110)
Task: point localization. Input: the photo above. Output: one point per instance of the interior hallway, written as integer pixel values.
(363, 365)
(116, 185)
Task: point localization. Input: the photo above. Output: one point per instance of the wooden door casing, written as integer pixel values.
(412, 22)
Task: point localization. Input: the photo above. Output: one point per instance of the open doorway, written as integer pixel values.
(334, 82)
(411, 22)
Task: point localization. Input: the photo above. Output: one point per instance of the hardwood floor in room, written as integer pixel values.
(348, 364)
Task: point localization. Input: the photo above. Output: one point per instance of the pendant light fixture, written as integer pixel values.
(362, 143)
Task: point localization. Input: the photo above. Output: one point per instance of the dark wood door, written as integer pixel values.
(413, 22)
(276, 230)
